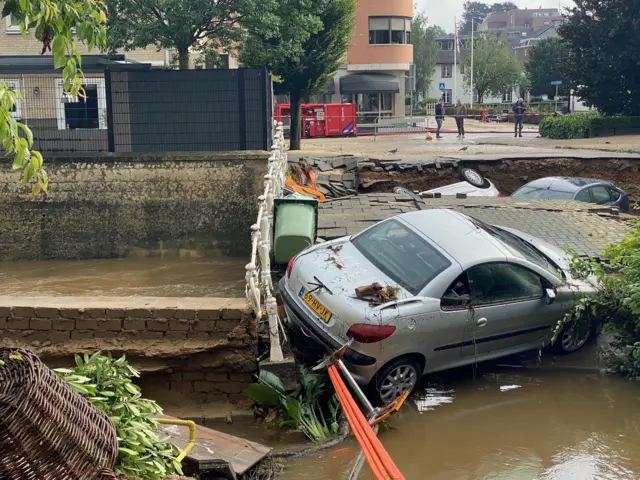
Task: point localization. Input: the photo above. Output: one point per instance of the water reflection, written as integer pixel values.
(553, 426)
(159, 277)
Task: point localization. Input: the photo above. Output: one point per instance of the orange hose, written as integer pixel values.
(372, 458)
(382, 454)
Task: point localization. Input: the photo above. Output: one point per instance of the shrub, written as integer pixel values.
(617, 302)
(585, 125)
(107, 384)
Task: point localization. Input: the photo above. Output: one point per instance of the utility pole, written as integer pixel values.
(472, 62)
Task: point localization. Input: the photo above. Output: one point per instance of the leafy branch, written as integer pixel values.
(58, 24)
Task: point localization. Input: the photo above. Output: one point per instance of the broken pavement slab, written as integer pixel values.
(561, 223)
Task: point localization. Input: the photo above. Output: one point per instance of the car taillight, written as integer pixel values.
(367, 333)
(290, 266)
(499, 195)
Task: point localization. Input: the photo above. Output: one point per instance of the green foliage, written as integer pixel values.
(53, 22)
(314, 411)
(184, 25)
(425, 51)
(585, 125)
(107, 384)
(478, 11)
(495, 69)
(603, 54)
(305, 45)
(546, 65)
(617, 302)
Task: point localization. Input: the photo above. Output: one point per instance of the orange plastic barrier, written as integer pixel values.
(377, 457)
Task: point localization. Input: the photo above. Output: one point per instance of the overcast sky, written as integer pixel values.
(441, 12)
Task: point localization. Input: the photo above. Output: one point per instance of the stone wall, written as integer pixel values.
(117, 205)
(201, 346)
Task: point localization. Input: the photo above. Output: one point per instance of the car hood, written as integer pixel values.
(341, 268)
(557, 256)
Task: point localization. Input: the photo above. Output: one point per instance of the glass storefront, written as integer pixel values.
(371, 106)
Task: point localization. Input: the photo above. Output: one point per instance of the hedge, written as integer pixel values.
(586, 125)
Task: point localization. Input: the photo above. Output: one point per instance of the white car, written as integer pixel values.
(473, 185)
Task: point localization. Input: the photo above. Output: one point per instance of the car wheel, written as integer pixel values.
(473, 178)
(573, 338)
(395, 378)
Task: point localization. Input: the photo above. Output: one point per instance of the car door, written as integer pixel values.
(509, 310)
(600, 195)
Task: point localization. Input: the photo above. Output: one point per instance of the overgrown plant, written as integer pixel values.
(313, 411)
(108, 385)
(617, 303)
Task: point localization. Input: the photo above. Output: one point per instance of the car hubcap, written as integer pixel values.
(575, 337)
(400, 380)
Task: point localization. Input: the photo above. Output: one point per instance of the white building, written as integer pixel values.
(449, 79)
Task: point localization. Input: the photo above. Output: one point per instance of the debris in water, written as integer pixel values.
(376, 294)
(506, 388)
(433, 397)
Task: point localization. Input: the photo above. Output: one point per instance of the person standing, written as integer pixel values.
(439, 117)
(460, 112)
(518, 111)
(483, 112)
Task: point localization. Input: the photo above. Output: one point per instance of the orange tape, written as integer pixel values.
(292, 185)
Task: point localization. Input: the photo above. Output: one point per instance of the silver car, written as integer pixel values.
(461, 292)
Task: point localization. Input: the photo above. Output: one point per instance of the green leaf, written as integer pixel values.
(264, 394)
(271, 379)
(59, 50)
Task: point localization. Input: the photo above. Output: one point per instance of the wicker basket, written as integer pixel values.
(47, 430)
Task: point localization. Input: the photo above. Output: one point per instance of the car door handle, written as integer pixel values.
(481, 322)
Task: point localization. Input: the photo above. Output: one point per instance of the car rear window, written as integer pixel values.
(542, 193)
(401, 254)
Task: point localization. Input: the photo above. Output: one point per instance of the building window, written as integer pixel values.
(13, 26)
(446, 95)
(461, 69)
(476, 98)
(507, 97)
(389, 30)
(370, 106)
(88, 112)
(16, 111)
(447, 69)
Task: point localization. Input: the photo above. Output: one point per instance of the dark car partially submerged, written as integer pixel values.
(590, 190)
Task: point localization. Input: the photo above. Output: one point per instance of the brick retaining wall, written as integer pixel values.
(202, 346)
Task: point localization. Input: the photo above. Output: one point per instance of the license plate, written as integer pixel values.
(315, 305)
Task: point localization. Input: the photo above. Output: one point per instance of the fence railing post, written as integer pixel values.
(111, 140)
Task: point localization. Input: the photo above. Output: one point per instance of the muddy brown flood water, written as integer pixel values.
(156, 277)
(536, 425)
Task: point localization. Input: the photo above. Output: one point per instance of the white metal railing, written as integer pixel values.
(259, 288)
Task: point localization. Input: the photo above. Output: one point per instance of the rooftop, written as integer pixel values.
(39, 64)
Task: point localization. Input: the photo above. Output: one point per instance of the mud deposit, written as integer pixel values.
(509, 175)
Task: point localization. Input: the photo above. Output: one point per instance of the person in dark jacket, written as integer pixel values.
(439, 116)
(518, 111)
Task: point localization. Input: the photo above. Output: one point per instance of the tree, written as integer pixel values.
(182, 25)
(425, 51)
(57, 24)
(302, 58)
(602, 38)
(495, 69)
(546, 64)
(478, 11)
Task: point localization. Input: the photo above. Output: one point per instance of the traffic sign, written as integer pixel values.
(557, 82)
(442, 86)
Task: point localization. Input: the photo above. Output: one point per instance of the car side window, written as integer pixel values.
(493, 283)
(615, 195)
(583, 196)
(453, 298)
(600, 195)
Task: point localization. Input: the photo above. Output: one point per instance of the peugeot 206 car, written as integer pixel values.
(459, 291)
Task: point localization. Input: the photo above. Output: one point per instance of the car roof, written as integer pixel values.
(565, 184)
(456, 234)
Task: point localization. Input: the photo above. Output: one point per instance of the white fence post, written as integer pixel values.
(259, 289)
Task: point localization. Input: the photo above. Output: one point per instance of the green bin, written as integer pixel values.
(295, 227)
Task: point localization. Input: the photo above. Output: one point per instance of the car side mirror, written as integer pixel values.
(550, 295)
(456, 301)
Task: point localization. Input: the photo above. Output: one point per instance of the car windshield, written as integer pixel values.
(533, 193)
(401, 254)
(522, 247)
